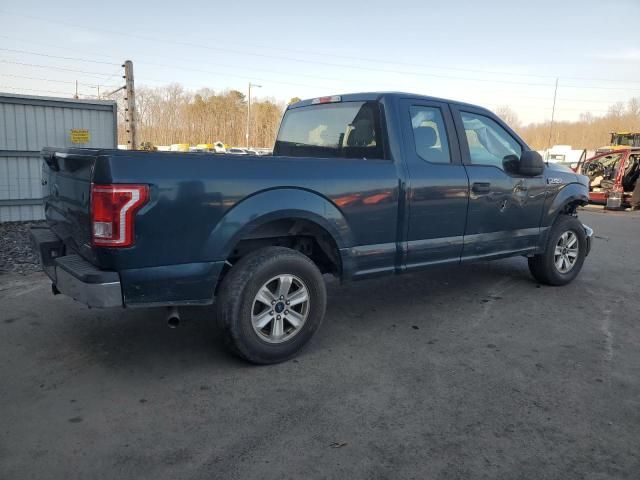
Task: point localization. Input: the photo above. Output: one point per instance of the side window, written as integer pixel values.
(429, 134)
(489, 143)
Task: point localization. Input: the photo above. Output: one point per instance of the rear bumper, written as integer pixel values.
(74, 276)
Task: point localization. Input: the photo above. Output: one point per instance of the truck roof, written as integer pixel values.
(376, 96)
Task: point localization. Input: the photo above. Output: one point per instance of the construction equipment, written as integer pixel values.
(621, 141)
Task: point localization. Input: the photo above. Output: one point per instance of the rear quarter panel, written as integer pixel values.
(199, 203)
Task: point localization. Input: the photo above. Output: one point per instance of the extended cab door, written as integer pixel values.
(505, 207)
(437, 186)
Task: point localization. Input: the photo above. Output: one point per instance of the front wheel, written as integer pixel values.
(270, 304)
(564, 254)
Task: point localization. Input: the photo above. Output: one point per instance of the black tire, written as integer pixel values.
(237, 294)
(543, 266)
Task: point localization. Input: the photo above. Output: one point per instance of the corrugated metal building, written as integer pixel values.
(29, 123)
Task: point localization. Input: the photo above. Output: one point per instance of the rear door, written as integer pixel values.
(505, 207)
(438, 187)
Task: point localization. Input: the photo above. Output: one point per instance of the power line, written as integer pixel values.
(307, 52)
(252, 69)
(517, 97)
(173, 66)
(56, 56)
(449, 77)
(58, 92)
(158, 39)
(240, 76)
(117, 72)
(25, 77)
(280, 73)
(94, 74)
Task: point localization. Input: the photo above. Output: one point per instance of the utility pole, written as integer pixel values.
(130, 110)
(249, 109)
(76, 94)
(553, 114)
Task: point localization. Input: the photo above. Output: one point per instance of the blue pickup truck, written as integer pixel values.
(359, 185)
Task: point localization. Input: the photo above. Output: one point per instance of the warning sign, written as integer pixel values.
(80, 135)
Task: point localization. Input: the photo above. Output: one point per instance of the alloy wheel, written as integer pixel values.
(280, 308)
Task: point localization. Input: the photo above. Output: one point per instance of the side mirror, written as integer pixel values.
(531, 164)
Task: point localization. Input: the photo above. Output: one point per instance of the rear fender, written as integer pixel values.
(277, 204)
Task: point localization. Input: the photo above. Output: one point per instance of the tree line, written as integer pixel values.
(588, 132)
(171, 114)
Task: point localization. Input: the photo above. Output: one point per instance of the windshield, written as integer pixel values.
(629, 140)
(349, 130)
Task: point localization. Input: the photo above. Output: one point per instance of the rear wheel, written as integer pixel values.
(270, 304)
(564, 254)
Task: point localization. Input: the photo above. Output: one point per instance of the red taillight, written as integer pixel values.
(112, 213)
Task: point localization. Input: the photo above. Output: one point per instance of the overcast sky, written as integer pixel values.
(487, 52)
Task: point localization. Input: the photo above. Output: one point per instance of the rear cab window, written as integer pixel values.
(332, 130)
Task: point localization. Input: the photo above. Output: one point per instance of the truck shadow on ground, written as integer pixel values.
(119, 339)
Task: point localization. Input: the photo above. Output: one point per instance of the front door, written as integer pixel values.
(505, 207)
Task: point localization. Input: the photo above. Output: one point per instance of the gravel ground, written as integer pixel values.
(16, 255)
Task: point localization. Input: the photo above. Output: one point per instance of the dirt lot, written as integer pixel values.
(470, 372)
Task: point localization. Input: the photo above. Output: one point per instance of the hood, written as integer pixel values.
(560, 175)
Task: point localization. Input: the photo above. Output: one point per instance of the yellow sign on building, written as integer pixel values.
(80, 135)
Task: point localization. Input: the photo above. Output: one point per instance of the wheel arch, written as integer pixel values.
(278, 212)
(565, 202)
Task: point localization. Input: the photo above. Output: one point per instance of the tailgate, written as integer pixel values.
(67, 193)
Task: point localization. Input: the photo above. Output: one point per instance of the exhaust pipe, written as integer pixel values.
(173, 317)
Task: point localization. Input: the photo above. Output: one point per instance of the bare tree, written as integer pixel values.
(171, 114)
(589, 131)
(510, 117)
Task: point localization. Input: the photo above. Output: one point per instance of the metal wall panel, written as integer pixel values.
(29, 123)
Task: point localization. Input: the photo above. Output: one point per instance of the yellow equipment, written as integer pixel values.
(180, 147)
(621, 141)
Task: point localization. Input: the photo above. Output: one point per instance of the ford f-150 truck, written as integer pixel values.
(358, 185)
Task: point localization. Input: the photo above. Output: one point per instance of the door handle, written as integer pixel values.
(481, 187)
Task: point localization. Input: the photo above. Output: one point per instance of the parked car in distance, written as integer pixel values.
(358, 186)
(217, 147)
(612, 177)
(263, 151)
(237, 151)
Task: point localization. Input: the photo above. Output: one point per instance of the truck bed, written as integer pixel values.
(180, 235)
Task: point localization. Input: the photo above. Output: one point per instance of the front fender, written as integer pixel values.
(569, 193)
(276, 204)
